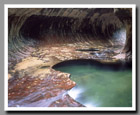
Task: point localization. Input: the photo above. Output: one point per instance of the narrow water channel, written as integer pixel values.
(99, 85)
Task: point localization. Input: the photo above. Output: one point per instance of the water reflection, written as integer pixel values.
(100, 87)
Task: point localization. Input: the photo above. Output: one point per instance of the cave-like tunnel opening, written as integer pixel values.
(41, 38)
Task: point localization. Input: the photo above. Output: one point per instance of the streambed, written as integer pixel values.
(99, 85)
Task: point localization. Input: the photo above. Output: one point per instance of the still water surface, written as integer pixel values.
(100, 87)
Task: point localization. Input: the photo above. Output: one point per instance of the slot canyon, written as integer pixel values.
(43, 40)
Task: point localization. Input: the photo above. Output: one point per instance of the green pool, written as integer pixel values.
(100, 85)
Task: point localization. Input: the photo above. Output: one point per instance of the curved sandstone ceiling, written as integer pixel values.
(53, 25)
(36, 23)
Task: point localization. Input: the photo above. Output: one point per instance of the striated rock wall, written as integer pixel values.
(125, 15)
(47, 23)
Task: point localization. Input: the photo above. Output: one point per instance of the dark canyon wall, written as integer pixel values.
(32, 26)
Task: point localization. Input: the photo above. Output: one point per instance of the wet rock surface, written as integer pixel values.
(33, 82)
(49, 90)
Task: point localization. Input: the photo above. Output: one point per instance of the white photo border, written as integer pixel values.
(133, 108)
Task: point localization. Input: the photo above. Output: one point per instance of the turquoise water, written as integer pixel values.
(100, 87)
